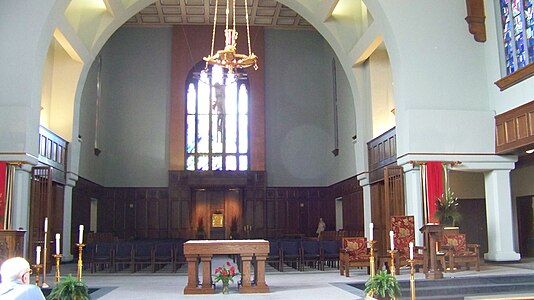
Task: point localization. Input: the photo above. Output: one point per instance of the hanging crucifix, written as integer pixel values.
(218, 106)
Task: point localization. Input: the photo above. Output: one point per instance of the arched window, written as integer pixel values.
(217, 107)
(518, 33)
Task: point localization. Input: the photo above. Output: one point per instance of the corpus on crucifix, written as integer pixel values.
(218, 106)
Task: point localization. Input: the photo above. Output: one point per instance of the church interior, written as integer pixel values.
(120, 126)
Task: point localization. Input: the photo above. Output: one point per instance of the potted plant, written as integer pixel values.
(69, 289)
(447, 209)
(201, 233)
(233, 229)
(383, 286)
(225, 274)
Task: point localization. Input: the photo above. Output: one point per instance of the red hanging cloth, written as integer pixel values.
(434, 179)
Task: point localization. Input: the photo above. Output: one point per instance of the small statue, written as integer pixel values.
(320, 227)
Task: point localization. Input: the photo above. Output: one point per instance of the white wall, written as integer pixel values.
(299, 111)
(134, 110)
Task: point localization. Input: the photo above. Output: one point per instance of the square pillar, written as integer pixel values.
(499, 214)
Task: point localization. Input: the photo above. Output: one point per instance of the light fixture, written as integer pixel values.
(530, 151)
(228, 58)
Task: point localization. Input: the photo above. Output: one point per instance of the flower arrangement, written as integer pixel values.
(447, 209)
(225, 273)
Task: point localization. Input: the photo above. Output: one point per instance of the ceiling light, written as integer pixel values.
(227, 57)
(530, 151)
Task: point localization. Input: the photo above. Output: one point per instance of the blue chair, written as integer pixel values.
(310, 252)
(290, 254)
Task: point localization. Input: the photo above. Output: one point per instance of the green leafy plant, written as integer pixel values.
(69, 289)
(447, 209)
(200, 229)
(233, 228)
(383, 285)
(225, 273)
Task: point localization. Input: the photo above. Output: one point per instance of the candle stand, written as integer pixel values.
(80, 261)
(392, 261)
(412, 279)
(45, 255)
(58, 259)
(37, 270)
(372, 258)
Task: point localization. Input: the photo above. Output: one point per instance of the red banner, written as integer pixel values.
(434, 180)
(3, 168)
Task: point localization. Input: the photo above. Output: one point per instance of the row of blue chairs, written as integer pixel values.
(134, 255)
(300, 253)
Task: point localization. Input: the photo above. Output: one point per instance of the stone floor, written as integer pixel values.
(291, 284)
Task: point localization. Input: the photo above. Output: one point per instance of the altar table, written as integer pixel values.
(205, 249)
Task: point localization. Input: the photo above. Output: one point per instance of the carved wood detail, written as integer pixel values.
(514, 129)
(476, 19)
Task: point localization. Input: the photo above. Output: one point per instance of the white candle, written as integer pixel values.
(38, 255)
(391, 240)
(80, 237)
(411, 250)
(371, 226)
(46, 225)
(57, 243)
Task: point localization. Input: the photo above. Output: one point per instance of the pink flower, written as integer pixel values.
(228, 263)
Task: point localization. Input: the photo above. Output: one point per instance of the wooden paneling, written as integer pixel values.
(131, 213)
(514, 129)
(382, 152)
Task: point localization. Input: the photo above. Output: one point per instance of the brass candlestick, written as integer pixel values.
(372, 258)
(58, 259)
(412, 279)
(37, 270)
(80, 261)
(45, 255)
(392, 261)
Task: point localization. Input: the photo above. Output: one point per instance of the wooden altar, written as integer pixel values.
(246, 249)
(11, 244)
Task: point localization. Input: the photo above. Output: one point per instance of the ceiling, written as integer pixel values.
(201, 12)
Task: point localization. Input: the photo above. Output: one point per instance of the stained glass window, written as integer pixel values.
(216, 120)
(518, 33)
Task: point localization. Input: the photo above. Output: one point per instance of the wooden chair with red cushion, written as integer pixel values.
(403, 234)
(353, 253)
(458, 251)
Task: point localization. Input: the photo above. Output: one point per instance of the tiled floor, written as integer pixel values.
(310, 284)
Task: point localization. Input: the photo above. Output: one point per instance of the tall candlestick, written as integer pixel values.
(38, 255)
(371, 226)
(46, 225)
(80, 237)
(411, 250)
(57, 243)
(391, 240)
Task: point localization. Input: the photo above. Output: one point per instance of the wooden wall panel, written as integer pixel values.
(514, 129)
(382, 152)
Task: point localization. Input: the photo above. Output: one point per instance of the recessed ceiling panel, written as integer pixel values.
(169, 2)
(150, 19)
(195, 19)
(195, 10)
(173, 19)
(170, 10)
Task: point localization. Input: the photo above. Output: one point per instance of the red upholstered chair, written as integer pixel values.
(458, 251)
(353, 253)
(404, 233)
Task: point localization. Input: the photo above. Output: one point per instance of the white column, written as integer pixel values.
(499, 217)
(413, 198)
(21, 201)
(67, 218)
(364, 183)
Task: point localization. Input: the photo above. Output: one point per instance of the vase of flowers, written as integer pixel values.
(225, 274)
(447, 209)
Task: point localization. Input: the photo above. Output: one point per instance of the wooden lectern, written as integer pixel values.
(432, 233)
